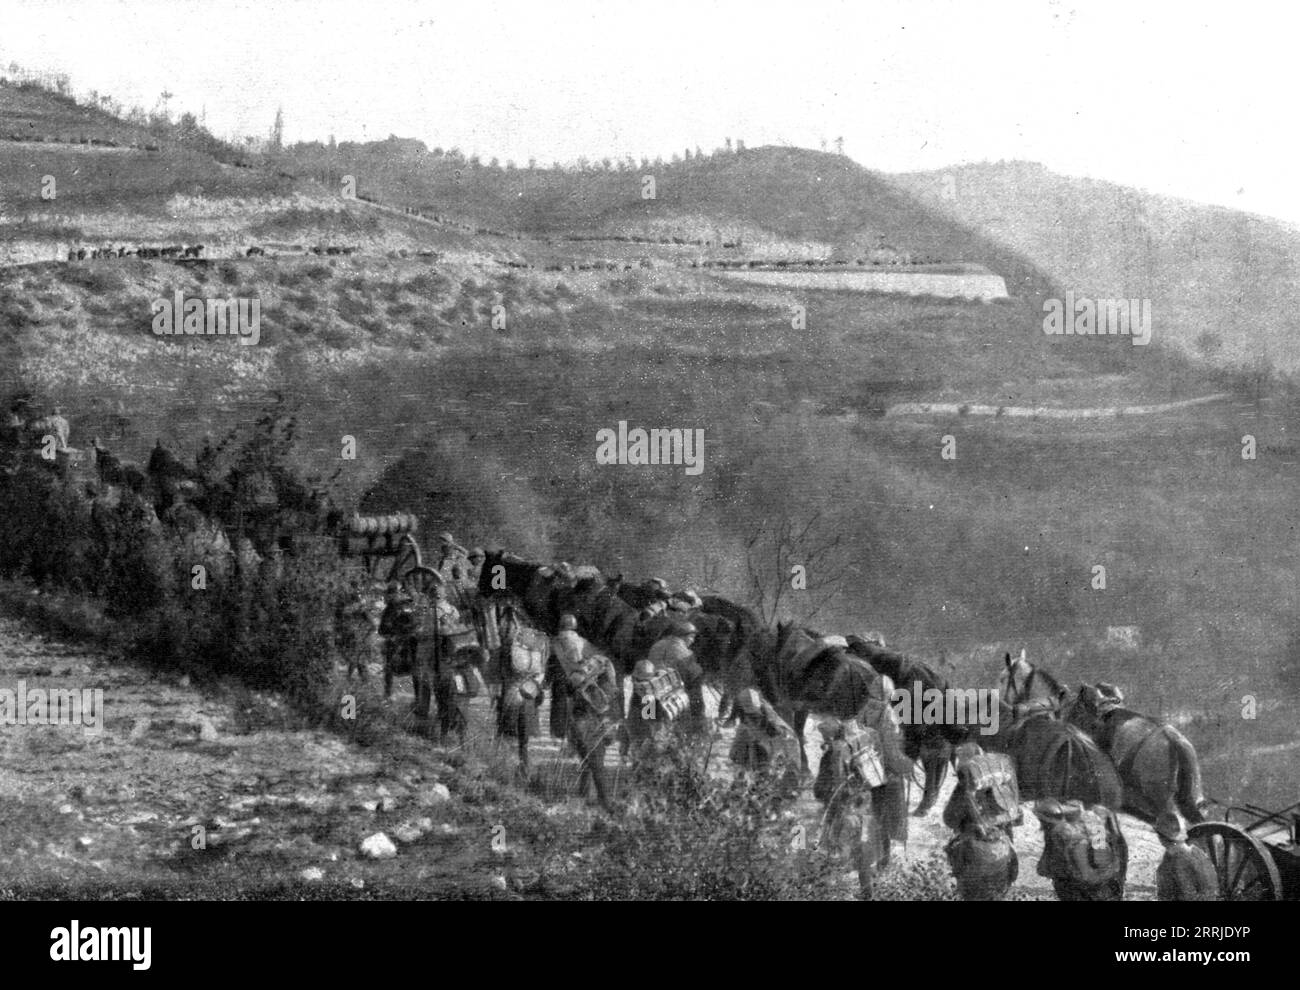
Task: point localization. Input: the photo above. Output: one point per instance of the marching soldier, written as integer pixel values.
(644, 726)
(849, 773)
(890, 799)
(983, 812)
(450, 658)
(397, 629)
(421, 614)
(1084, 851)
(522, 664)
(674, 651)
(1185, 873)
(658, 700)
(475, 567)
(584, 682)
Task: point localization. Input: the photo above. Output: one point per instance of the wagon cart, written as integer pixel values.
(1257, 857)
(377, 538)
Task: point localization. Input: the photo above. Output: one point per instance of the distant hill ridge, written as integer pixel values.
(1221, 281)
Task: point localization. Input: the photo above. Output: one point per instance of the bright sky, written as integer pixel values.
(1191, 99)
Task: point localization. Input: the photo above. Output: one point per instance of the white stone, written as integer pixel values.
(378, 846)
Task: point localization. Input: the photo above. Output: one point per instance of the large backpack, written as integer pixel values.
(669, 694)
(528, 653)
(990, 781)
(1093, 847)
(591, 679)
(864, 754)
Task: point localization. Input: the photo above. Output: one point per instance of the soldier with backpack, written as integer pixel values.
(983, 812)
(589, 698)
(448, 659)
(674, 651)
(397, 630)
(1085, 854)
(521, 666)
(890, 799)
(851, 770)
(659, 700)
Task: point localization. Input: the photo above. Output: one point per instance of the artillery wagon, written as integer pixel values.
(1257, 856)
(391, 538)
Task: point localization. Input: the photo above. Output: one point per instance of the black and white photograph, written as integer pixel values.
(707, 451)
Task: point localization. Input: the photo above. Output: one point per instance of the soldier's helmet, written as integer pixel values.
(749, 701)
(1109, 694)
(477, 556)
(568, 621)
(875, 637)
(643, 671)
(1170, 826)
(660, 583)
(1049, 810)
(684, 629)
(967, 751)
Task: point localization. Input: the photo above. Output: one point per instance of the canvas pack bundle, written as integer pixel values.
(585, 678)
(864, 757)
(990, 779)
(528, 653)
(669, 693)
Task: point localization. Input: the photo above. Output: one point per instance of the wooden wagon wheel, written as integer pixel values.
(422, 579)
(406, 559)
(1243, 864)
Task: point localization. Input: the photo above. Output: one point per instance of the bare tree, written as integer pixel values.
(793, 566)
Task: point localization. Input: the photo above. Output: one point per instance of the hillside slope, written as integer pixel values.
(1221, 281)
(763, 197)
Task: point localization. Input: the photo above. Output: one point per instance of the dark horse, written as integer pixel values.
(604, 618)
(930, 745)
(1053, 758)
(1157, 764)
(802, 672)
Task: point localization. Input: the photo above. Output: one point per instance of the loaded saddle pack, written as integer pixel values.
(669, 692)
(592, 679)
(865, 759)
(457, 646)
(529, 651)
(1085, 839)
(989, 780)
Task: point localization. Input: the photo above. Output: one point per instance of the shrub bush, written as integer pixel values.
(693, 837)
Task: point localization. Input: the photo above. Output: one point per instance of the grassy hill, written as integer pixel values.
(769, 199)
(1220, 280)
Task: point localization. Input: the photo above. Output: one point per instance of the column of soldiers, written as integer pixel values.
(862, 777)
(1085, 854)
